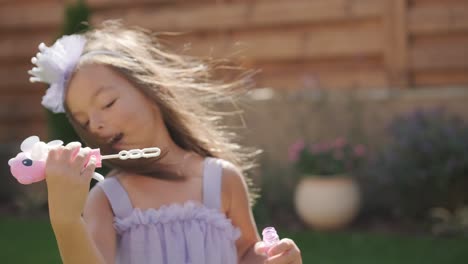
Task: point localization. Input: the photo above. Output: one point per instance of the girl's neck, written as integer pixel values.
(177, 158)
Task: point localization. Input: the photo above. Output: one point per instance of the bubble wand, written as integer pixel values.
(29, 165)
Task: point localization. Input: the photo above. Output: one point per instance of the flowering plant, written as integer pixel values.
(425, 164)
(326, 158)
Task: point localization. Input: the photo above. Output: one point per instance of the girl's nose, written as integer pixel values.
(96, 128)
(96, 124)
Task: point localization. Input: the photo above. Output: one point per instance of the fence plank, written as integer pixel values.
(396, 58)
(440, 77)
(18, 131)
(23, 47)
(20, 107)
(223, 16)
(438, 19)
(305, 11)
(350, 39)
(340, 73)
(14, 75)
(421, 3)
(108, 4)
(31, 15)
(440, 52)
(344, 79)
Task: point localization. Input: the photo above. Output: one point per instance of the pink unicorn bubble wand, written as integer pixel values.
(29, 165)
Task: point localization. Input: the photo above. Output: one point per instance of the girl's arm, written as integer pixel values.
(100, 222)
(236, 205)
(249, 247)
(92, 238)
(79, 239)
(75, 243)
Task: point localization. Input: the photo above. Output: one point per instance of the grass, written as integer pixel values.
(362, 248)
(27, 241)
(32, 241)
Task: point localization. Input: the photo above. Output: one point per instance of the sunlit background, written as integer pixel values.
(360, 108)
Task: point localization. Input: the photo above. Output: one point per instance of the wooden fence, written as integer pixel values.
(332, 44)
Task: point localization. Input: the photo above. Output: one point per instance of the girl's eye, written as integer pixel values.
(110, 104)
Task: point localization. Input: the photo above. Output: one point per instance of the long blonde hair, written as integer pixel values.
(181, 86)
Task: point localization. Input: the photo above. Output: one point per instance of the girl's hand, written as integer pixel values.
(285, 251)
(68, 182)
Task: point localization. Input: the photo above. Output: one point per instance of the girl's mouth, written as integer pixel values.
(115, 140)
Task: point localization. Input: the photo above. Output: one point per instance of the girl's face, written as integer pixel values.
(111, 108)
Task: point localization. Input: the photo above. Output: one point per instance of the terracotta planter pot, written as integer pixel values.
(327, 203)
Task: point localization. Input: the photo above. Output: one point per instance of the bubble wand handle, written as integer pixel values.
(29, 165)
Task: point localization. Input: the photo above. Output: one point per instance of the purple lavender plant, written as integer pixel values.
(424, 165)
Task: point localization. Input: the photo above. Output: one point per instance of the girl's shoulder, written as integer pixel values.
(233, 184)
(231, 175)
(228, 167)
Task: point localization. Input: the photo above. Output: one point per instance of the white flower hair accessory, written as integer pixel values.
(54, 66)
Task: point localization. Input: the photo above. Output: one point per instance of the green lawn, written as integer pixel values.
(27, 241)
(361, 248)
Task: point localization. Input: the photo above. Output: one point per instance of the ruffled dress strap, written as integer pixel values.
(117, 196)
(212, 181)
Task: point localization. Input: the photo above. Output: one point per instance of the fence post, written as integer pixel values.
(396, 42)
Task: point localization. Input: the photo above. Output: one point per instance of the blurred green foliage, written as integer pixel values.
(76, 21)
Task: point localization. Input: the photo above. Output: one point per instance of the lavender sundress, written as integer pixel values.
(189, 233)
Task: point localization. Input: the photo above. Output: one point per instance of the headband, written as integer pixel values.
(55, 64)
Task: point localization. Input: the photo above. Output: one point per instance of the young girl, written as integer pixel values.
(121, 91)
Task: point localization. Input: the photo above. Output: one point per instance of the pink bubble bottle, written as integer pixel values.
(270, 237)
